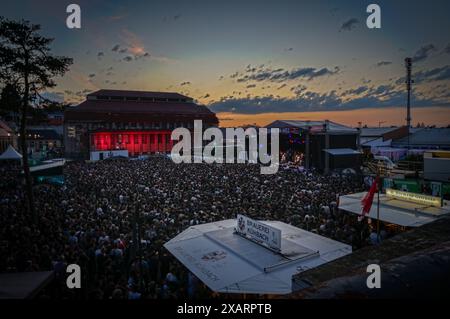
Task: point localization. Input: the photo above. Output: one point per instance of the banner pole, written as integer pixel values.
(378, 208)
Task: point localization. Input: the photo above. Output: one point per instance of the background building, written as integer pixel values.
(397, 143)
(44, 143)
(436, 166)
(7, 137)
(425, 139)
(133, 121)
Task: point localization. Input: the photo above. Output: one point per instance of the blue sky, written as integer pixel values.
(252, 56)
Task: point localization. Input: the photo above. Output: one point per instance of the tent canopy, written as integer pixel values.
(341, 151)
(10, 154)
(229, 263)
(394, 211)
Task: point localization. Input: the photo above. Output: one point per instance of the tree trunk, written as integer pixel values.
(23, 144)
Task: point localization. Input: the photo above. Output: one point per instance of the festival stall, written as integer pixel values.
(11, 154)
(252, 257)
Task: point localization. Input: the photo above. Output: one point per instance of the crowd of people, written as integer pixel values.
(112, 218)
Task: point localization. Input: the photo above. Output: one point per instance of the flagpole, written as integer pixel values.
(378, 207)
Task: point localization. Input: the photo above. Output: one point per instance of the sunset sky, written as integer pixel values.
(257, 61)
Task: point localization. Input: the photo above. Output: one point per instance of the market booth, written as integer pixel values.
(252, 257)
(10, 154)
(398, 207)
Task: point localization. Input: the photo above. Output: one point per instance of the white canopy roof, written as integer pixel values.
(229, 263)
(48, 165)
(341, 151)
(394, 211)
(10, 154)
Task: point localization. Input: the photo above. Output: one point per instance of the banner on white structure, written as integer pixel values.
(259, 232)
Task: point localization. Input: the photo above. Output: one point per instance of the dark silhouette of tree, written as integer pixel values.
(27, 64)
(10, 101)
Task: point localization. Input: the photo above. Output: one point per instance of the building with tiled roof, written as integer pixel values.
(136, 121)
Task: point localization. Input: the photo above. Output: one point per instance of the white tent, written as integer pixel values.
(229, 263)
(11, 154)
(394, 211)
(341, 151)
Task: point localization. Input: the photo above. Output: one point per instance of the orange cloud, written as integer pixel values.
(132, 40)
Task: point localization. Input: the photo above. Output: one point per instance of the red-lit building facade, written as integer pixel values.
(136, 121)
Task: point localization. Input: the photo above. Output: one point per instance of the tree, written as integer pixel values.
(10, 101)
(27, 64)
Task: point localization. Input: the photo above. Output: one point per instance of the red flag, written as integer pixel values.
(366, 202)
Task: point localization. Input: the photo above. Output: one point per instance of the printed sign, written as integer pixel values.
(413, 197)
(259, 232)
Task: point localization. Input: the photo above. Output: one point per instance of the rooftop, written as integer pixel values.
(427, 137)
(316, 126)
(144, 95)
(5, 130)
(376, 131)
(409, 261)
(23, 285)
(114, 105)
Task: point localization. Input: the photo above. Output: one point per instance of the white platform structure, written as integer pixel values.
(101, 155)
(229, 263)
(48, 165)
(395, 211)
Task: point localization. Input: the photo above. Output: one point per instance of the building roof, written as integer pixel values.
(376, 131)
(380, 131)
(374, 142)
(138, 94)
(5, 130)
(426, 137)
(4, 133)
(419, 275)
(155, 104)
(316, 126)
(23, 285)
(42, 134)
(228, 263)
(335, 279)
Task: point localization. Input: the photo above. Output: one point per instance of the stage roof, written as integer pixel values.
(229, 263)
(316, 126)
(394, 211)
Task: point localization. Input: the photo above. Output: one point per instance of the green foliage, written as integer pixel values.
(27, 64)
(10, 100)
(25, 58)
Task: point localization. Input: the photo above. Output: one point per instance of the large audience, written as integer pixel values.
(104, 209)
